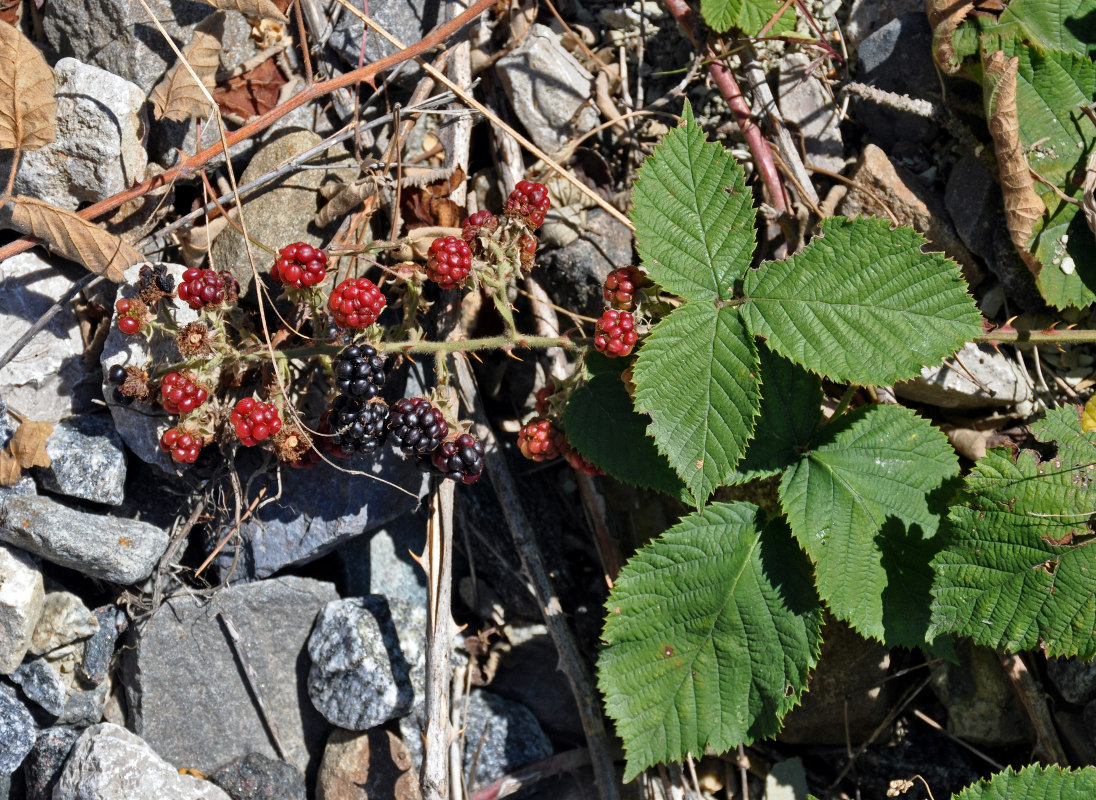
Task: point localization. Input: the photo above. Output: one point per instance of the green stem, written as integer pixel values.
(1077, 336)
(459, 346)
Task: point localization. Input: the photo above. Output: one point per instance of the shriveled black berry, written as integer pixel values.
(359, 372)
(416, 426)
(359, 426)
(117, 375)
(156, 274)
(461, 459)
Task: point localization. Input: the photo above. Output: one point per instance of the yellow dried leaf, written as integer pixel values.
(250, 8)
(10, 471)
(1088, 416)
(1023, 208)
(28, 111)
(177, 96)
(944, 17)
(28, 445)
(74, 238)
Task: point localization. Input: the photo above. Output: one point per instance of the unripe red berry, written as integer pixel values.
(180, 395)
(183, 446)
(449, 262)
(356, 303)
(615, 333)
(300, 265)
(539, 440)
(530, 202)
(254, 421)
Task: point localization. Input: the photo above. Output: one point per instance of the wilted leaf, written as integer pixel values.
(253, 93)
(177, 96)
(429, 205)
(1023, 208)
(28, 445)
(74, 238)
(250, 8)
(346, 197)
(10, 471)
(27, 108)
(944, 17)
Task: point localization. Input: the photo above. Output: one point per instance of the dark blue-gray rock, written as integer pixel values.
(500, 736)
(100, 647)
(256, 777)
(17, 730)
(87, 460)
(110, 548)
(22, 598)
(83, 708)
(45, 761)
(407, 21)
(110, 763)
(7, 426)
(898, 58)
(382, 562)
(360, 677)
(574, 275)
(1074, 679)
(529, 674)
(64, 620)
(42, 685)
(185, 689)
(320, 509)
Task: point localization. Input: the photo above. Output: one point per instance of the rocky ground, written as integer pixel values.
(157, 643)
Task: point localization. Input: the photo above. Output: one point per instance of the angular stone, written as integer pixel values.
(574, 275)
(22, 597)
(17, 730)
(1074, 679)
(529, 674)
(382, 563)
(47, 379)
(975, 377)
(7, 425)
(87, 460)
(98, 150)
(359, 677)
(85, 708)
(110, 763)
(185, 689)
(256, 777)
(43, 765)
(42, 685)
(805, 103)
(100, 647)
(64, 620)
(500, 736)
(867, 16)
(548, 89)
(119, 550)
(370, 764)
(407, 21)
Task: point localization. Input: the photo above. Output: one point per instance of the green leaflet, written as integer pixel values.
(1068, 25)
(1034, 782)
(748, 16)
(712, 629)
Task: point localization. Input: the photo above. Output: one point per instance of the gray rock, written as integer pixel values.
(22, 597)
(981, 703)
(100, 647)
(805, 103)
(98, 150)
(7, 425)
(47, 374)
(574, 276)
(185, 689)
(85, 708)
(42, 685)
(64, 620)
(118, 36)
(17, 730)
(1074, 679)
(529, 674)
(43, 765)
(973, 200)
(113, 549)
(381, 563)
(110, 763)
(320, 509)
(500, 736)
(898, 58)
(868, 16)
(976, 377)
(87, 460)
(548, 89)
(407, 20)
(141, 424)
(359, 677)
(256, 777)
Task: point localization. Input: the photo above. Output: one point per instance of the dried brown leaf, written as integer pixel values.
(177, 96)
(250, 8)
(74, 238)
(28, 445)
(1088, 200)
(344, 198)
(10, 471)
(944, 17)
(253, 93)
(1023, 208)
(28, 111)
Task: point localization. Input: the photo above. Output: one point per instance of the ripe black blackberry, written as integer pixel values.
(359, 426)
(416, 426)
(359, 372)
(461, 459)
(116, 376)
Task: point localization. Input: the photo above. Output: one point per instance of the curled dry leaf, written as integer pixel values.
(10, 471)
(74, 238)
(251, 8)
(28, 110)
(944, 17)
(1023, 208)
(28, 445)
(177, 96)
(346, 197)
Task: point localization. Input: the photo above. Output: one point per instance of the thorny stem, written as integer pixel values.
(1069, 336)
(456, 346)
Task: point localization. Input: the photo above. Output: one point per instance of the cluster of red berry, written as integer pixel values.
(540, 439)
(615, 332)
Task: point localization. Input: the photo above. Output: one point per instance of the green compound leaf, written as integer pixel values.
(862, 304)
(1068, 25)
(791, 408)
(748, 16)
(602, 425)
(1034, 782)
(696, 375)
(712, 629)
(859, 502)
(1019, 570)
(693, 214)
